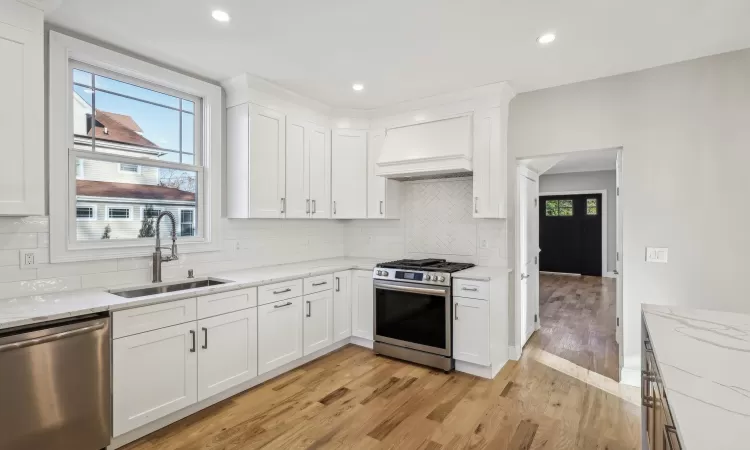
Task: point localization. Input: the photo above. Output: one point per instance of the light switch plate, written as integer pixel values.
(657, 254)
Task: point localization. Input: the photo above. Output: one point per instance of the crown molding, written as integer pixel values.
(44, 5)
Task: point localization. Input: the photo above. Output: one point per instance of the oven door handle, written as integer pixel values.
(410, 289)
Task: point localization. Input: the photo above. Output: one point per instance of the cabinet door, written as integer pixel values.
(490, 175)
(267, 163)
(362, 304)
(297, 170)
(375, 184)
(349, 174)
(153, 375)
(227, 352)
(342, 305)
(22, 121)
(279, 333)
(318, 322)
(471, 330)
(320, 173)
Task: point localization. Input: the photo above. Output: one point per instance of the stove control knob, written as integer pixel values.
(379, 272)
(429, 278)
(385, 273)
(441, 279)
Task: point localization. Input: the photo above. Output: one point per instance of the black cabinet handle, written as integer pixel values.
(281, 306)
(205, 338)
(283, 291)
(309, 312)
(338, 284)
(320, 284)
(192, 336)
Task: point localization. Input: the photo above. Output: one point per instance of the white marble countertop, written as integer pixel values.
(482, 273)
(704, 359)
(32, 309)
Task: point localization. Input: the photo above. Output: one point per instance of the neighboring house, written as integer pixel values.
(121, 195)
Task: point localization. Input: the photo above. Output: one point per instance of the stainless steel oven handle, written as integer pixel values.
(411, 289)
(50, 338)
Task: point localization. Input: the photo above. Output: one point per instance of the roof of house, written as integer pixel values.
(119, 128)
(128, 190)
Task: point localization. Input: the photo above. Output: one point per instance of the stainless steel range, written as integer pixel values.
(413, 305)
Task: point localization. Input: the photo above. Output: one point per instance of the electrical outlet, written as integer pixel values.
(657, 254)
(483, 244)
(28, 258)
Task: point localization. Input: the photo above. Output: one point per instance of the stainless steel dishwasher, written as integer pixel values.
(55, 386)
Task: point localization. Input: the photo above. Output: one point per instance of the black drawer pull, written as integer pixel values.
(320, 284)
(283, 291)
(281, 306)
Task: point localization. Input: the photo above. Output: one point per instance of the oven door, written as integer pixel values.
(413, 316)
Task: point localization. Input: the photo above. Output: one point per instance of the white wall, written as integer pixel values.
(587, 181)
(247, 243)
(685, 137)
(436, 222)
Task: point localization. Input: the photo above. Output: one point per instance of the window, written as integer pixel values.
(187, 222)
(115, 213)
(129, 168)
(146, 136)
(85, 213)
(558, 208)
(116, 118)
(591, 207)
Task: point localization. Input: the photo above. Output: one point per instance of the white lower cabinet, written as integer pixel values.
(342, 305)
(279, 333)
(362, 304)
(154, 374)
(318, 321)
(471, 330)
(227, 351)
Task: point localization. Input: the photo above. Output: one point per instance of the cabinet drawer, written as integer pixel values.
(152, 317)
(318, 284)
(471, 289)
(279, 291)
(226, 302)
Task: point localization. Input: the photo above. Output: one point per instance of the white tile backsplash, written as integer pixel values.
(436, 221)
(247, 243)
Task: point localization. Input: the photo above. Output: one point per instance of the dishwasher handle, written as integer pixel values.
(52, 337)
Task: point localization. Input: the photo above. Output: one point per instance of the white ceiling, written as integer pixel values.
(407, 49)
(589, 161)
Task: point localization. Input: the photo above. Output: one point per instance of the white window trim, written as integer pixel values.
(117, 219)
(63, 49)
(137, 172)
(87, 219)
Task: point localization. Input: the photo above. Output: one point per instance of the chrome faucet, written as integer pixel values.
(158, 258)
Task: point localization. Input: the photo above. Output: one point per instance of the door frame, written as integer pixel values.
(521, 172)
(603, 192)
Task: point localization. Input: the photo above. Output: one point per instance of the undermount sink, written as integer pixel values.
(167, 287)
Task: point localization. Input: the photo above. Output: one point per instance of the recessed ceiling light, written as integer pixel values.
(358, 86)
(220, 15)
(546, 38)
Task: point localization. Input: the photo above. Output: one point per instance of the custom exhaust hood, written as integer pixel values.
(438, 149)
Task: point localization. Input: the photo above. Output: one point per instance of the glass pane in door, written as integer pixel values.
(410, 317)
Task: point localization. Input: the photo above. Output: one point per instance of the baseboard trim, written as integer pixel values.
(630, 376)
(560, 273)
(474, 369)
(362, 342)
(514, 352)
(158, 424)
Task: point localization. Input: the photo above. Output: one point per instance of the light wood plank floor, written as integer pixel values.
(578, 317)
(352, 399)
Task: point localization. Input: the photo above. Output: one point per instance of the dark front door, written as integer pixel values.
(570, 234)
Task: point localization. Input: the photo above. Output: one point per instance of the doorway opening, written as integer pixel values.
(569, 258)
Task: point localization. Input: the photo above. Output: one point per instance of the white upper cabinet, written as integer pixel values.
(22, 110)
(349, 174)
(490, 154)
(383, 201)
(320, 173)
(297, 169)
(256, 162)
